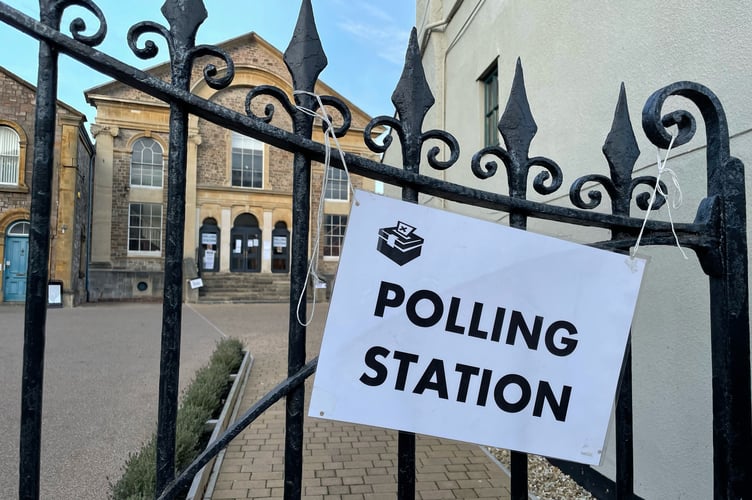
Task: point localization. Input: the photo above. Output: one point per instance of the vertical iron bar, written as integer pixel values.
(405, 465)
(624, 433)
(184, 19)
(406, 440)
(296, 353)
(727, 268)
(621, 151)
(173, 296)
(518, 469)
(305, 59)
(412, 99)
(518, 466)
(730, 339)
(39, 252)
(517, 128)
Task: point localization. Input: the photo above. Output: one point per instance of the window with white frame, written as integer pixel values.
(145, 227)
(247, 162)
(10, 147)
(146, 163)
(334, 234)
(336, 184)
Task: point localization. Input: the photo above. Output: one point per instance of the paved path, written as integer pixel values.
(100, 400)
(341, 461)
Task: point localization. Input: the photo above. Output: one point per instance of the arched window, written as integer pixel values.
(19, 229)
(10, 151)
(146, 163)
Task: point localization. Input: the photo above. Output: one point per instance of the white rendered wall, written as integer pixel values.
(575, 55)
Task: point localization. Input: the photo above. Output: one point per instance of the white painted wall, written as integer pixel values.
(575, 55)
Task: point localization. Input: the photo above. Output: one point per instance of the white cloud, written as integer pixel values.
(387, 42)
(380, 26)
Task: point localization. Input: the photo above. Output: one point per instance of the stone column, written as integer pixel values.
(191, 224)
(101, 224)
(224, 254)
(190, 235)
(266, 242)
(61, 251)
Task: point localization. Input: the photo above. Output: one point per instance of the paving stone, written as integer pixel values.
(341, 460)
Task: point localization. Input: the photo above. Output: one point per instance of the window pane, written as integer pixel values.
(334, 234)
(491, 108)
(336, 184)
(145, 227)
(10, 147)
(247, 162)
(19, 228)
(146, 163)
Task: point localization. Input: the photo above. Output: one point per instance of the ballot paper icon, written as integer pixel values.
(399, 243)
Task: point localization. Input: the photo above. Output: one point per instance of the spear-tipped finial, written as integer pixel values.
(412, 97)
(184, 18)
(516, 124)
(621, 148)
(304, 57)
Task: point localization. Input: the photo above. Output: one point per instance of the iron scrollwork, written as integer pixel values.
(184, 19)
(412, 99)
(518, 128)
(621, 152)
(281, 96)
(56, 8)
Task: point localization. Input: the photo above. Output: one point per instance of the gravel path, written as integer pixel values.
(545, 481)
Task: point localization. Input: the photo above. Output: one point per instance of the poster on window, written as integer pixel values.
(209, 259)
(209, 238)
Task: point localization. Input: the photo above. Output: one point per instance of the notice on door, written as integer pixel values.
(450, 326)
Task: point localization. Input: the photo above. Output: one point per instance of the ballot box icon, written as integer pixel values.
(400, 243)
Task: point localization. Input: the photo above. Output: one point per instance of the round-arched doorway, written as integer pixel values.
(16, 260)
(245, 244)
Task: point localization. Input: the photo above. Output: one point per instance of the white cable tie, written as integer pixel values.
(329, 135)
(658, 190)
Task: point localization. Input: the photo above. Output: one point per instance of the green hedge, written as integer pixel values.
(201, 400)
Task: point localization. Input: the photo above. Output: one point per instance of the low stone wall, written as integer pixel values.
(115, 284)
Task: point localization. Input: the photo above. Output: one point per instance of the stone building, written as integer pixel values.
(239, 190)
(72, 176)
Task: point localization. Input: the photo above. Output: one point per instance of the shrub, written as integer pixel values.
(202, 398)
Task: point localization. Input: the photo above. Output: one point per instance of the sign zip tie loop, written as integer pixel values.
(677, 202)
(329, 136)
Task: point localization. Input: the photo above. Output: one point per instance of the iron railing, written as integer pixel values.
(718, 234)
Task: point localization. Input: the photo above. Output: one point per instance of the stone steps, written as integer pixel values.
(244, 288)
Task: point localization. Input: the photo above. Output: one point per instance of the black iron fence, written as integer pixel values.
(717, 235)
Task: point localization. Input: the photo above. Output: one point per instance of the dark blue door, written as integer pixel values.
(14, 268)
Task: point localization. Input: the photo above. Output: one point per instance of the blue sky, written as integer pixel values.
(364, 42)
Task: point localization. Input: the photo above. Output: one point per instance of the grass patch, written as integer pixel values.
(201, 401)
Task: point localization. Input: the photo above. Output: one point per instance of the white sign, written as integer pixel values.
(209, 259)
(209, 238)
(196, 283)
(279, 241)
(266, 250)
(449, 326)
